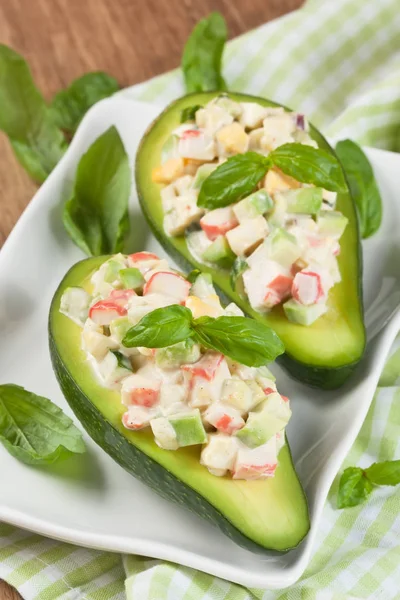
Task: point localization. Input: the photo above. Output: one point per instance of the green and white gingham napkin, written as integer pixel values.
(338, 61)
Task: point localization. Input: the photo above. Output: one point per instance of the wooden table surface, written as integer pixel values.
(132, 40)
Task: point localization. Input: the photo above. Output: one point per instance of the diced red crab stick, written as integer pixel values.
(218, 224)
(191, 133)
(171, 284)
(206, 367)
(105, 311)
(141, 396)
(122, 297)
(227, 424)
(307, 287)
(129, 423)
(254, 471)
(139, 256)
(278, 289)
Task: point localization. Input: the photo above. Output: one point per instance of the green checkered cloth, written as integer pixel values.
(338, 62)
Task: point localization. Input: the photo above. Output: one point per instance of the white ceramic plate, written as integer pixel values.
(92, 501)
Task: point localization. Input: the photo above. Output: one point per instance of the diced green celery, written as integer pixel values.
(256, 204)
(170, 148)
(177, 354)
(131, 278)
(304, 200)
(283, 247)
(112, 270)
(266, 420)
(203, 286)
(220, 252)
(189, 428)
(331, 223)
(119, 327)
(301, 314)
(202, 173)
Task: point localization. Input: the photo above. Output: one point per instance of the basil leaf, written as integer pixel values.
(236, 280)
(25, 118)
(309, 165)
(242, 339)
(235, 178)
(189, 113)
(384, 473)
(363, 186)
(354, 487)
(96, 216)
(69, 106)
(35, 430)
(161, 328)
(202, 55)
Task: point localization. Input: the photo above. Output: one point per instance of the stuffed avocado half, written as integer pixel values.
(274, 237)
(199, 428)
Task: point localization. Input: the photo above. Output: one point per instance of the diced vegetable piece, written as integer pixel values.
(202, 173)
(256, 204)
(219, 454)
(164, 433)
(197, 144)
(276, 181)
(105, 311)
(173, 397)
(238, 394)
(265, 372)
(118, 330)
(331, 223)
(232, 139)
(278, 130)
(170, 148)
(283, 247)
(252, 115)
(183, 184)
(277, 216)
(172, 284)
(177, 354)
(232, 310)
(219, 252)
(256, 463)
(257, 392)
(213, 117)
(184, 213)
(188, 428)
(168, 171)
(304, 200)
(110, 371)
(74, 304)
(206, 307)
(301, 314)
(267, 285)
(138, 417)
(131, 278)
(230, 106)
(244, 238)
(197, 243)
(96, 343)
(267, 419)
(140, 391)
(224, 418)
(113, 267)
(203, 286)
(217, 222)
(122, 360)
(255, 137)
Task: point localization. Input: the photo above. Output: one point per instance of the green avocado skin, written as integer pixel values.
(176, 476)
(323, 355)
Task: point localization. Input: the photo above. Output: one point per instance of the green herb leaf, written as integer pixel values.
(189, 113)
(354, 487)
(242, 339)
(69, 106)
(96, 217)
(193, 275)
(238, 268)
(25, 118)
(362, 185)
(123, 361)
(384, 473)
(202, 55)
(35, 430)
(160, 328)
(234, 179)
(310, 165)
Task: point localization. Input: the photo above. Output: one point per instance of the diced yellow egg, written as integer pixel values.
(169, 171)
(209, 307)
(232, 139)
(276, 181)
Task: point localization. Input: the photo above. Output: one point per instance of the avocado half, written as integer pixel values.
(262, 515)
(323, 354)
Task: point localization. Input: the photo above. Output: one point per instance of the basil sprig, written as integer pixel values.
(362, 185)
(239, 175)
(242, 339)
(189, 113)
(96, 216)
(35, 430)
(202, 55)
(356, 484)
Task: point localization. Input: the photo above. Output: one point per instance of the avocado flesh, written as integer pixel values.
(259, 515)
(323, 354)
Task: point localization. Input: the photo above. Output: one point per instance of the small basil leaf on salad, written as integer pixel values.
(362, 185)
(309, 165)
(384, 473)
(243, 340)
(69, 106)
(189, 113)
(96, 216)
(202, 55)
(34, 430)
(161, 328)
(25, 118)
(234, 179)
(238, 268)
(354, 487)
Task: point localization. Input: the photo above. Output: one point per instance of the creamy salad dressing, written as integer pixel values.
(287, 231)
(186, 394)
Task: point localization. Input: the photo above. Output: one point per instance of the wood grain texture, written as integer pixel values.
(130, 39)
